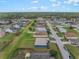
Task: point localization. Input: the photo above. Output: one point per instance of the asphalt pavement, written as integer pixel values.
(59, 43)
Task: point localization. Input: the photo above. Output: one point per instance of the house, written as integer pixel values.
(40, 34)
(71, 35)
(2, 33)
(11, 30)
(41, 42)
(8, 30)
(16, 26)
(5, 22)
(41, 29)
(75, 42)
(62, 30)
(39, 55)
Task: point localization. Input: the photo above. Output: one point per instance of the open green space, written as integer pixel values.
(53, 46)
(73, 50)
(28, 41)
(60, 34)
(7, 37)
(8, 51)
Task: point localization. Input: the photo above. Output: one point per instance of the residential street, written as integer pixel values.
(59, 43)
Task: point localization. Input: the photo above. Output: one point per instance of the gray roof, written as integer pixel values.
(75, 41)
(39, 55)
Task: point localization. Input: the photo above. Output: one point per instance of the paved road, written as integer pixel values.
(60, 45)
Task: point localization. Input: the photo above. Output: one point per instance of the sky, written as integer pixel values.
(39, 5)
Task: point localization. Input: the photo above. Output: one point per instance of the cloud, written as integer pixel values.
(56, 4)
(34, 1)
(73, 2)
(40, 8)
(43, 8)
(32, 8)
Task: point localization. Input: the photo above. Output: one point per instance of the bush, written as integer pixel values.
(53, 53)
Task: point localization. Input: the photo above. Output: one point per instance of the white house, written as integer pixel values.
(62, 30)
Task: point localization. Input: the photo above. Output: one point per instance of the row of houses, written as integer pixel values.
(41, 35)
(13, 27)
(41, 41)
(72, 37)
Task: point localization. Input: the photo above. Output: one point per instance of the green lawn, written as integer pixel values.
(28, 41)
(7, 37)
(74, 51)
(54, 47)
(14, 45)
(60, 34)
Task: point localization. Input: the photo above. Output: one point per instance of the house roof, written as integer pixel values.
(70, 34)
(41, 41)
(40, 55)
(41, 29)
(40, 33)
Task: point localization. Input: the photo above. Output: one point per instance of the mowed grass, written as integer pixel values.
(73, 50)
(8, 51)
(7, 37)
(28, 41)
(54, 47)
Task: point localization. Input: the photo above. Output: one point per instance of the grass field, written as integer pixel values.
(28, 41)
(74, 51)
(7, 37)
(7, 52)
(54, 47)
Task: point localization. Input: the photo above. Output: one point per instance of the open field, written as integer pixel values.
(54, 47)
(7, 52)
(74, 51)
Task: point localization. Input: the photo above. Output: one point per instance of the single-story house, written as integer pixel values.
(71, 35)
(5, 22)
(11, 30)
(41, 29)
(40, 25)
(40, 34)
(75, 42)
(62, 30)
(41, 42)
(2, 34)
(39, 55)
(16, 26)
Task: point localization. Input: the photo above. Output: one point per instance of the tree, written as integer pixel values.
(53, 53)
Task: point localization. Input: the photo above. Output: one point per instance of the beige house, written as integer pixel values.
(40, 34)
(71, 35)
